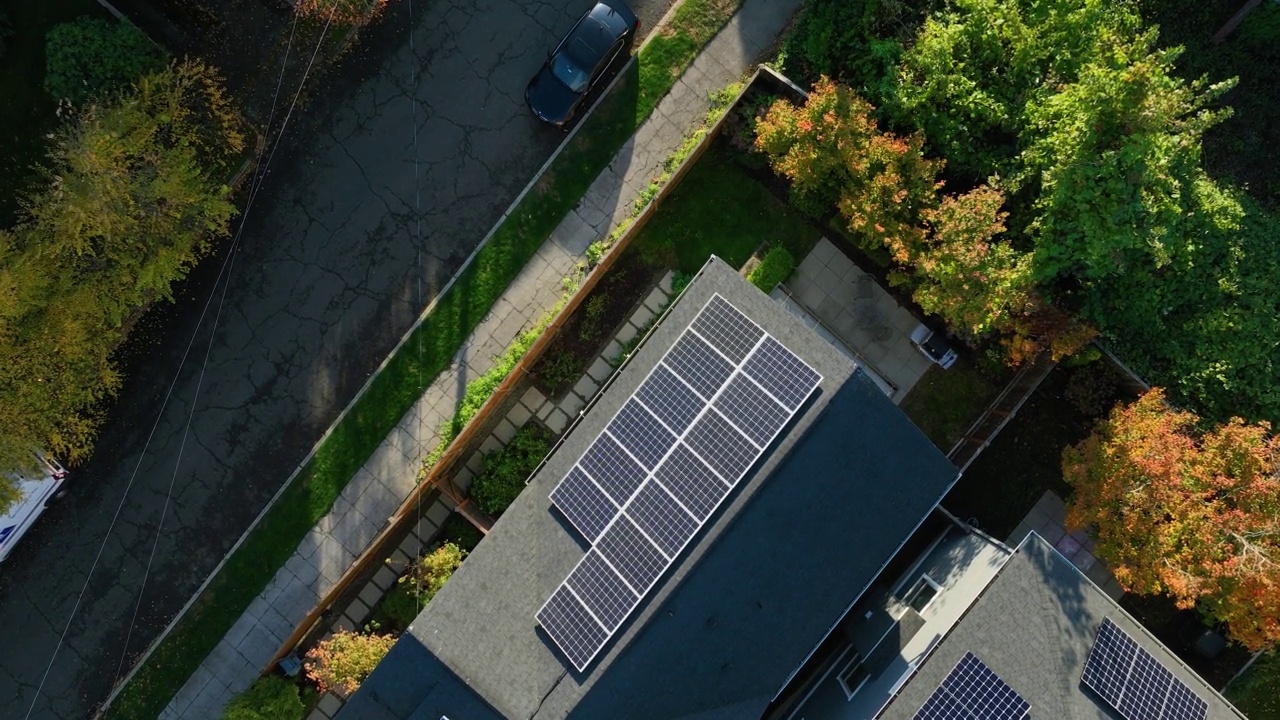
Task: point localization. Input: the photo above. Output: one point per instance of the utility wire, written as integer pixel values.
(225, 269)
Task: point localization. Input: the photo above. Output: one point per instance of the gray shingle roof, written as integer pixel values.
(760, 586)
(1034, 625)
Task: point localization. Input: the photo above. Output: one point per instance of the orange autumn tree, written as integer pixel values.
(1191, 513)
(836, 157)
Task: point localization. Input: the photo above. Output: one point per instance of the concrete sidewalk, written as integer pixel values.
(379, 488)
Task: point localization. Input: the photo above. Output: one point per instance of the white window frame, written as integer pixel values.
(851, 666)
(918, 586)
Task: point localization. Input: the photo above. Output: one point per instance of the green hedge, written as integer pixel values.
(269, 698)
(775, 267)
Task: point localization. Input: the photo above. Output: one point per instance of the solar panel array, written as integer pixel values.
(663, 464)
(972, 691)
(1134, 682)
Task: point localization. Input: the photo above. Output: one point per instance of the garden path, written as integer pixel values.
(378, 488)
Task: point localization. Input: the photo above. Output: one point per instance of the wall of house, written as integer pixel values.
(962, 564)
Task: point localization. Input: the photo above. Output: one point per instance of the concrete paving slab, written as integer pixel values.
(325, 554)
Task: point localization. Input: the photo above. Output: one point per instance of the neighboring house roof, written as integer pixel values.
(804, 534)
(1034, 625)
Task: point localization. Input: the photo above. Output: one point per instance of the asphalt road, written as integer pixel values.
(331, 272)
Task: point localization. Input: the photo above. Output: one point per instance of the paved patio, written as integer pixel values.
(851, 305)
(1049, 518)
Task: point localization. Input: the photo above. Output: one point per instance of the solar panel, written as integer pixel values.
(1110, 658)
(670, 399)
(721, 446)
(633, 555)
(602, 590)
(786, 377)
(615, 471)
(971, 690)
(575, 631)
(746, 405)
(637, 430)
(584, 503)
(728, 330)
(661, 518)
(664, 463)
(698, 364)
(1148, 686)
(691, 482)
(1134, 682)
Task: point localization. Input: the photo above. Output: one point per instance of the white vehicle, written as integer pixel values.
(36, 493)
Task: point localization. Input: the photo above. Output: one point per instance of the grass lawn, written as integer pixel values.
(28, 112)
(946, 402)
(718, 209)
(428, 352)
(1257, 692)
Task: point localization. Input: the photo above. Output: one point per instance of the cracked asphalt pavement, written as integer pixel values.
(332, 270)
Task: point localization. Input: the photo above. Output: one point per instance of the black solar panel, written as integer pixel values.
(660, 518)
(781, 373)
(574, 630)
(1107, 668)
(1134, 682)
(691, 482)
(662, 466)
(584, 504)
(602, 591)
(971, 690)
(726, 450)
(1184, 704)
(632, 554)
(640, 433)
(744, 404)
(616, 472)
(698, 364)
(1146, 690)
(670, 400)
(731, 332)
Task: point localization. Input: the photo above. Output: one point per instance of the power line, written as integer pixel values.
(259, 177)
(225, 269)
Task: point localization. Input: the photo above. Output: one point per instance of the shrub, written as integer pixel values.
(775, 267)
(593, 314)
(269, 698)
(400, 606)
(506, 469)
(428, 574)
(343, 661)
(88, 59)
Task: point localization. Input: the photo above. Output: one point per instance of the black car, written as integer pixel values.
(579, 61)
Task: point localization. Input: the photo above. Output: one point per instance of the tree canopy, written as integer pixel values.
(134, 194)
(1191, 512)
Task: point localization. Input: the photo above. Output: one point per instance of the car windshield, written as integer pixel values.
(569, 72)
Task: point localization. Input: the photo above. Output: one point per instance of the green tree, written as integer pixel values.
(134, 197)
(87, 58)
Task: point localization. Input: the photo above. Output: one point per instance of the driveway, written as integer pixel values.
(336, 261)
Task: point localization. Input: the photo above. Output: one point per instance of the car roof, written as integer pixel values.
(590, 35)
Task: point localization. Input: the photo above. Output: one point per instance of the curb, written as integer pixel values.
(404, 339)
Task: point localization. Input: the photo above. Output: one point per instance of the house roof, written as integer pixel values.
(1034, 625)
(807, 530)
